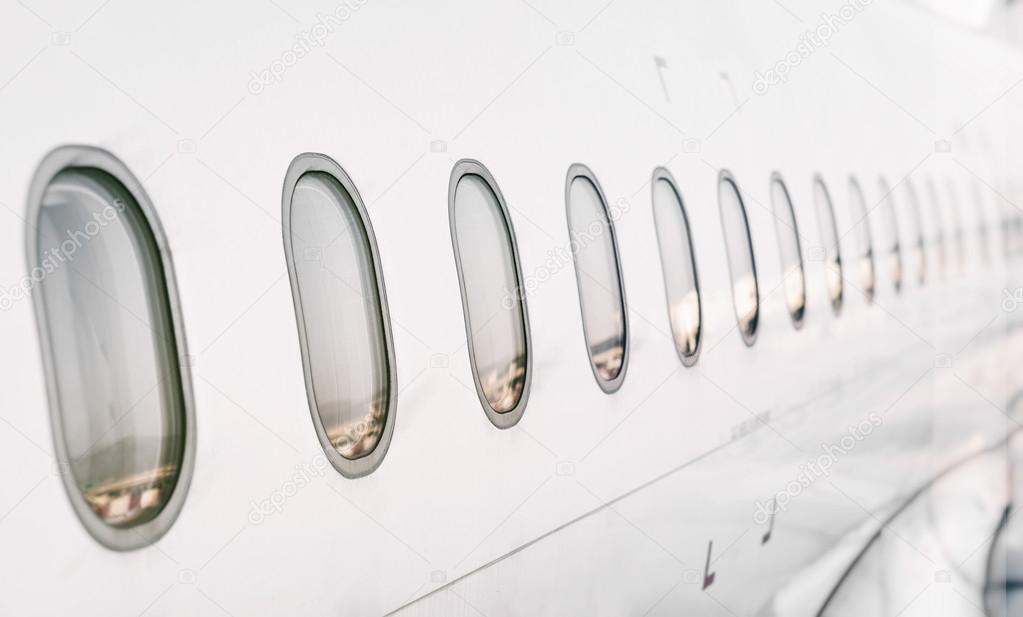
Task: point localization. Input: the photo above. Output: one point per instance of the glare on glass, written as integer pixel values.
(113, 350)
(741, 265)
(596, 266)
(827, 229)
(345, 341)
(787, 233)
(493, 300)
(678, 266)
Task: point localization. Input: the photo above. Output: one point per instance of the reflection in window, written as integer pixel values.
(678, 265)
(864, 246)
(494, 306)
(890, 235)
(598, 277)
(739, 249)
(828, 230)
(111, 348)
(914, 231)
(787, 233)
(343, 327)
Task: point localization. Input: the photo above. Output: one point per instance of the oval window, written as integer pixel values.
(789, 250)
(827, 228)
(489, 275)
(111, 336)
(1007, 241)
(914, 232)
(341, 310)
(955, 221)
(678, 265)
(983, 238)
(741, 265)
(864, 246)
(598, 277)
(890, 235)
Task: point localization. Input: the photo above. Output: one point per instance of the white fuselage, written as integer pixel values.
(612, 499)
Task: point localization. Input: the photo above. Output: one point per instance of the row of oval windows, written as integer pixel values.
(112, 338)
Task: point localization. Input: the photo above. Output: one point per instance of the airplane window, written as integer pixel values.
(864, 246)
(828, 230)
(787, 234)
(741, 264)
(678, 264)
(890, 236)
(914, 230)
(955, 220)
(1017, 234)
(111, 337)
(598, 277)
(1007, 240)
(982, 225)
(496, 324)
(340, 307)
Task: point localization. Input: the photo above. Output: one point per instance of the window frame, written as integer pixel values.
(575, 171)
(661, 174)
(726, 176)
(472, 167)
(316, 162)
(146, 533)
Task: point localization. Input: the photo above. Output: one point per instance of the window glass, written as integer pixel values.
(601, 297)
(494, 307)
(864, 245)
(890, 235)
(787, 233)
(344, 333)
(827, 229)
(678, 266)
(741, 265)
(113, 350)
